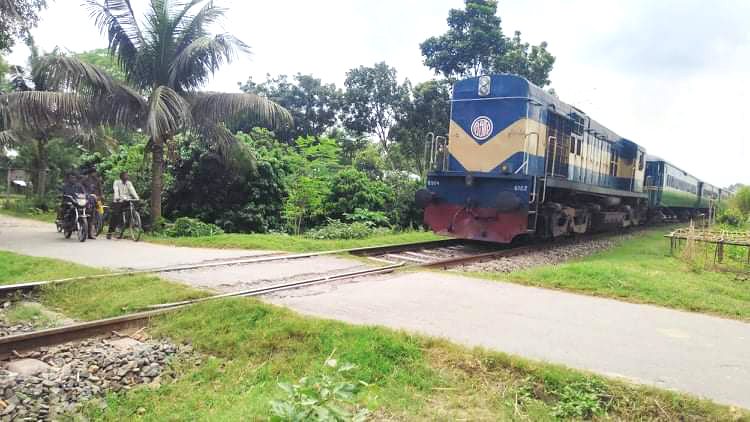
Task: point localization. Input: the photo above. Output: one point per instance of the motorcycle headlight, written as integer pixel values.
(81, 202)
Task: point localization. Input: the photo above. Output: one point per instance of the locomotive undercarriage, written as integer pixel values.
(566, 213)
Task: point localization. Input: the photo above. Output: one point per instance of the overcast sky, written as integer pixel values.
(669, 75)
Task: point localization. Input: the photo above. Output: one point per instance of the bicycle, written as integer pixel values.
(131, 221)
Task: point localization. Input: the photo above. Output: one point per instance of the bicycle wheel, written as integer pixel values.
(98, 223)
(83, 228)
(135, 226)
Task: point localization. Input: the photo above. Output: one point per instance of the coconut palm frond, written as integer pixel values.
(88, 79)
(36, 110)
(212, 107)
(202, 58)
(189, 28)
(9, 138)
(168, 112)
(116, 19)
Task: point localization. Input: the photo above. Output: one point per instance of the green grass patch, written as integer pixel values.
(249, 347)
(641, 270)
(254, 346)
(46, 217)
(90, 299)
(15, 268)
(31, 313)
(283, 242)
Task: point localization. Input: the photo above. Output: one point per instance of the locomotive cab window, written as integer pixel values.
(640, 160)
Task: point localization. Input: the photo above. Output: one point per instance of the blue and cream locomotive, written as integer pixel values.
(519, 162)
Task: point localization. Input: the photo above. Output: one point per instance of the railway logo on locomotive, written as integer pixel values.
(481, 128)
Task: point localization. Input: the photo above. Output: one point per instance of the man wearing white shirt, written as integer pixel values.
(123, 191)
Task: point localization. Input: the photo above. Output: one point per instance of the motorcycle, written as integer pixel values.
(75, 217)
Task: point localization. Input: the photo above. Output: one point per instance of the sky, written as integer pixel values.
(668, 74)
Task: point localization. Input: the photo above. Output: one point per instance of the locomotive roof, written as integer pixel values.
(517, 87)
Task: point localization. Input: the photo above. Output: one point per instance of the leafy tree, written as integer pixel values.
(313, 104)
(167, 56)
(245, 196)
(742, 200)
(352, 189)
(427, 111)
(534, 64)
(101, 58)
(16, 18)
(475, 45)
(374, 99)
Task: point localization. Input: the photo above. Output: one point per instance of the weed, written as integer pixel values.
(322, 397)
(583, 399)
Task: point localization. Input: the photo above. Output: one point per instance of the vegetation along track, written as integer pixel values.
(432, 254)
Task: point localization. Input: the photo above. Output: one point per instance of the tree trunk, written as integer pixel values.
(157, 169)
(41, 176)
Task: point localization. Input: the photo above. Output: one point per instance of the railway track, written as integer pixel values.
(434, 254)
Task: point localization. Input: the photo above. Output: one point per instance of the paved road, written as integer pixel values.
(40, 239)
(694, 353)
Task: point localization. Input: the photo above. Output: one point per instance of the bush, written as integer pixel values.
(731, 216)
(240, 190)
(190, 227)
(336, 229)
(352, 189)
(371, 218)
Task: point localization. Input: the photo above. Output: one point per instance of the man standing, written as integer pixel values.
(123, 191)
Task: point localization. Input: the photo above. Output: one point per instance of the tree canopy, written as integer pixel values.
(373, 100)
(475, 44)
(314, 105)
(16, 18)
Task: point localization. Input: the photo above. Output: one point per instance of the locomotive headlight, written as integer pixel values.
(505, 168)
(469, 180)
(484, 86)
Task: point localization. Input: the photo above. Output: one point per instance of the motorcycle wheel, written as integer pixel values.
(59, 226)
(83, 228)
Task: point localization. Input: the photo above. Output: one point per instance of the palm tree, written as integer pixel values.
(166, 57)
(36, 110)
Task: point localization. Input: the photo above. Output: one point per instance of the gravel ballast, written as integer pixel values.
(79, 372)
(548, 256)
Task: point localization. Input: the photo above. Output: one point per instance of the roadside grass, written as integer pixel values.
(15, 206)
(23, 312)
(251, 347)
(641, 270)
(248, 347)
(45, 217)
(90, 299)
(284, 242)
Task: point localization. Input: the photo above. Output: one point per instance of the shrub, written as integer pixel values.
(190, 227)
(352, 189)
(328, 396)
(731, 216)
(336, 229)
(371, 218)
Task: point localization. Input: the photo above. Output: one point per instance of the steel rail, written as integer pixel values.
(363, 251)
(58, 335)
(52, 336)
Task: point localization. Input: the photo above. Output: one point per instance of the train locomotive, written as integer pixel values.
(517, 163)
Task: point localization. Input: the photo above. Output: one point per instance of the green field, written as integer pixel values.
(283, 242)
(248, 348)
(641, 270)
